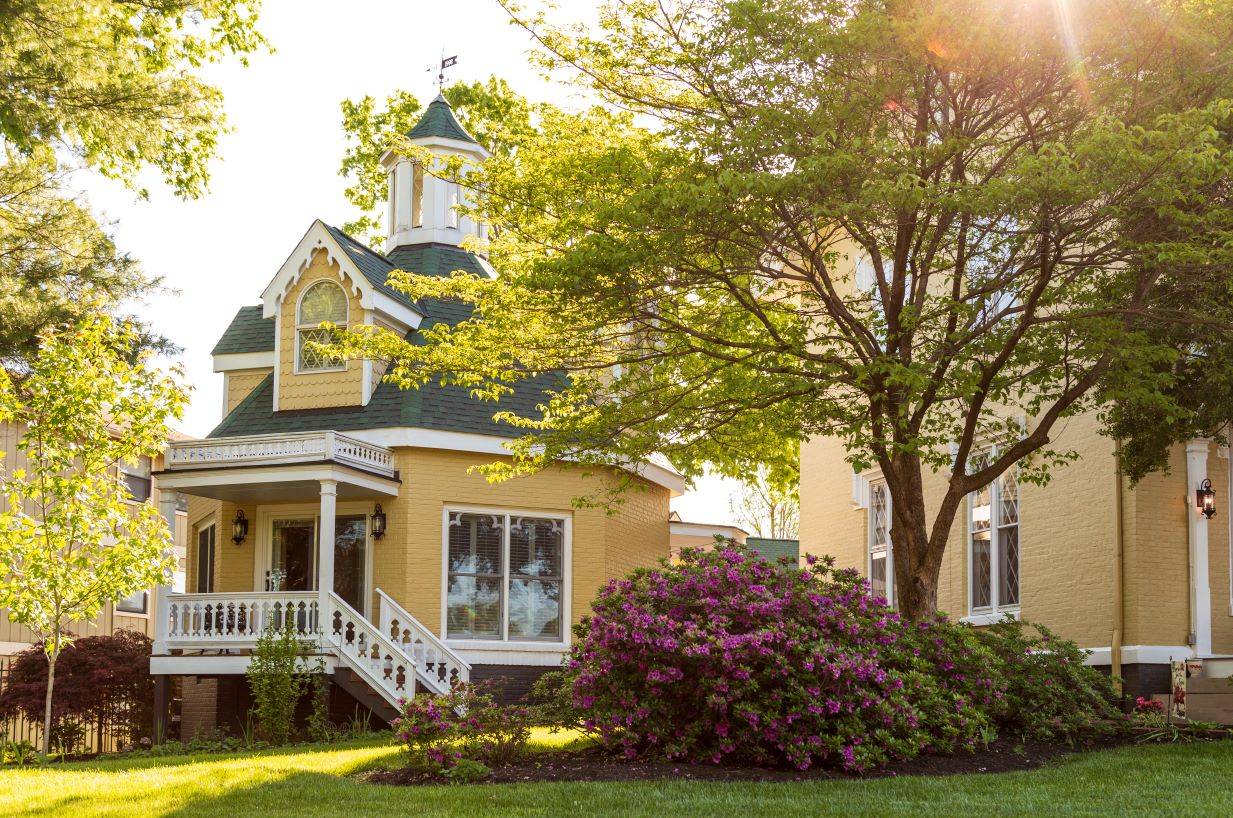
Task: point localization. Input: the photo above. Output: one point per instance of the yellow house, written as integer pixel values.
(1138, 575)
(347, 508)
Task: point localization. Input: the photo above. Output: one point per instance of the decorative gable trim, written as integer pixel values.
(318, 238)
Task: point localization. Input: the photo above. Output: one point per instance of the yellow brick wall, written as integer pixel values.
(241, 383)
(407, 561)
(1068, 542)
(313, 390)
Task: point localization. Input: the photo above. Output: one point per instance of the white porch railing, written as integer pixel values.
(235, 619)
(295, 447)
(389, 665)
(363, 648)
(438, 666)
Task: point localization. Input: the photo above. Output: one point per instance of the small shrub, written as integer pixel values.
(1049, 694)
(497, 734)
(18, 753)
(468, 771)
(277, 683)
(1146, 705)
(465, 724)
(431, 726)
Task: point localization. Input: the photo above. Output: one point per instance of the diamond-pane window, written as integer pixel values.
(993, 523)
(881, 583)
(323, 302)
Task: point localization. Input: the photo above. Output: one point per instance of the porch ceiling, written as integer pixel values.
(276, 484)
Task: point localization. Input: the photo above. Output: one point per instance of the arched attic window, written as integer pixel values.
(323, 301)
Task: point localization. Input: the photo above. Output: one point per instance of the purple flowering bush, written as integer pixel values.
(1049, 694)
(725, 656)
(440, 732)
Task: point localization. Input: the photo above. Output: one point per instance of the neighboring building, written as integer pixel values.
(686, 534)
(775, 548)
(1138, 576)
(348, 509)
(133, 613)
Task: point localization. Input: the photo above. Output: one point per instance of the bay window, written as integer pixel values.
(505, 576)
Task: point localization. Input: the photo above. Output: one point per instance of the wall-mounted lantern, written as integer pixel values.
(1205, 499)
(378, 522)
(239, 527)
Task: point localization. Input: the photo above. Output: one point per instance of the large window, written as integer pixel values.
(323, 301)
(881, 571)
(506, 577)
(993, 525)
(136, 477)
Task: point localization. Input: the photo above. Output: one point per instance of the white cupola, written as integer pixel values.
(421, 207)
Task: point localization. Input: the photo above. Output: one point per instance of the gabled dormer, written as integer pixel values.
(422, 209)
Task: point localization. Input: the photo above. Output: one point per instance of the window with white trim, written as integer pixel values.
(391, 223)
(505, 577)
(993, 542)
(452, 202)
(136, 478)
(417, 195)
(881, 571)
(323, 301)
(135, 603)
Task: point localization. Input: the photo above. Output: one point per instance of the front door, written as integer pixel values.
(293, 563)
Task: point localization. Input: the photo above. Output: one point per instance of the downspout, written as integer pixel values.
(1119, 596)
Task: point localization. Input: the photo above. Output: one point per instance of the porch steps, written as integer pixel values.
(363, 693)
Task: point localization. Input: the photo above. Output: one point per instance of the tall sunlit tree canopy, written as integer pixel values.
(922, 227)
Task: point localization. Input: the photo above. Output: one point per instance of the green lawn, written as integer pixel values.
(1155, 780)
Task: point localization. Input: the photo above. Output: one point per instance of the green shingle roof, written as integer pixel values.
(371, 264)
(773, 548)
(247, 332)
(439, 120)
(432, 406)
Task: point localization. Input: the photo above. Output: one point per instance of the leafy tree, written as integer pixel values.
(70, 540)
(100, 680)
(490, 111)
(767, 508)
(109, 86)
(931, 229)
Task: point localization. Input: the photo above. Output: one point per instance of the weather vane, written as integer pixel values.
(446, 62)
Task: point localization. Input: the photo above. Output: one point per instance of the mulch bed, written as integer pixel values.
(594, 764)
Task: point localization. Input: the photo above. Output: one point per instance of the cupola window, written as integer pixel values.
(322, 302)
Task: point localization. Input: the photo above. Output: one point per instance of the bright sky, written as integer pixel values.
(279, 165)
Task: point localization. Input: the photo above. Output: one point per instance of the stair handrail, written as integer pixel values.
(374, 632)
(420, 631)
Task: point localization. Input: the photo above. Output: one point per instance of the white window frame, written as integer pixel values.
(995, 611)
(198, 528)
(567, 584)
(876, 484)
(144, 613)
(300, 326)
(124, 470)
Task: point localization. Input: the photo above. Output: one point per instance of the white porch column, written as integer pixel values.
(1200, 588)
(162, 606)
(325, 553)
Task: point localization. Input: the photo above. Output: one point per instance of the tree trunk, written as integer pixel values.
(51, 683)
(917, 543)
